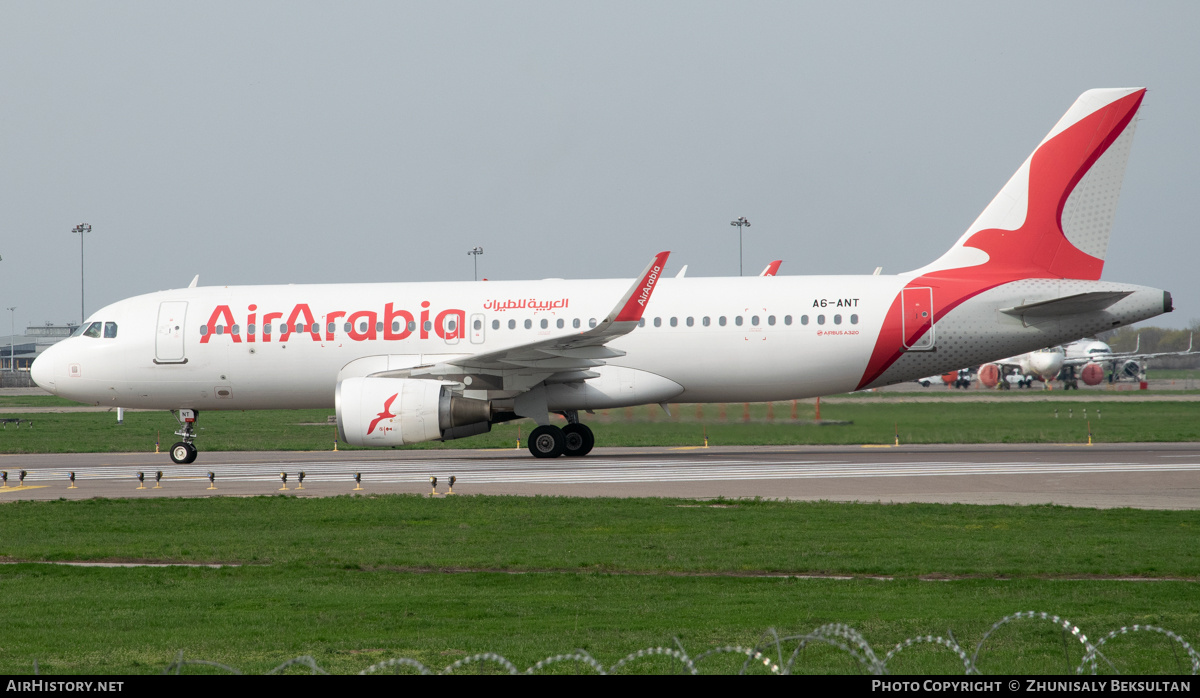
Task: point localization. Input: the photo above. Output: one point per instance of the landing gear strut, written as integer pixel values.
(183, 452)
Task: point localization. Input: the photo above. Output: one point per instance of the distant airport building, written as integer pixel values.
(19, 351)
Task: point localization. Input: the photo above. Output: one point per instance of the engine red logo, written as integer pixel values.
(385, 414)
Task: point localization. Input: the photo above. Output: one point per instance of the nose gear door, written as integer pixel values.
(168, 342)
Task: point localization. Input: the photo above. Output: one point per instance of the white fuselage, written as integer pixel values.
(703, 339)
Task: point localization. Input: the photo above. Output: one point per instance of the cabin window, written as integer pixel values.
(658, 322)
(820, 319)
(706, 321)
(642, 322)
(787, 319)
(803, 319)
(738, 321)
(575, 323)
(691, 321)
(220, 330)
(754, 320)
(854, 319)
(512, 324)
(592, 322)
(330, 328)
(478, 324)
(378, 327)
(236, 329)
(545, 323)
(561, 323)
(345, 328)
(495, 324)
(428, 325)
(837, 319)
(395, 326)
(267, 329)
(721, 321)
(203, 330)
(251, 328)
(771, 320)
(452, 326)
(528, 324)
(110, 330)
(674, 322)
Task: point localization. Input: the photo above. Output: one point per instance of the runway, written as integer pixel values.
(1152, 476)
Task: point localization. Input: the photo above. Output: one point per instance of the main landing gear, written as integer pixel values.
(573, 440)
(183, 452)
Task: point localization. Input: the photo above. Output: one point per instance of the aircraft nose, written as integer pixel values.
(42, 370)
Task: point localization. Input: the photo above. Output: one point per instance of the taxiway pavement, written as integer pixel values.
(1150, 476)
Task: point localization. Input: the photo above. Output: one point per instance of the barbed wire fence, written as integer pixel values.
(769, 653)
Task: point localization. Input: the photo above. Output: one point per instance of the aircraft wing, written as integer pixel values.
(580, 350)
(1130, 356)
(566, 357)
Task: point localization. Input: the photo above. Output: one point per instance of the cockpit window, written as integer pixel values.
(110, 330)
(93, 330)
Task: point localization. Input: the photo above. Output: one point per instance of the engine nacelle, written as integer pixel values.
(1131, 369)
(399, 411)
(989, 375)
(1092, 373)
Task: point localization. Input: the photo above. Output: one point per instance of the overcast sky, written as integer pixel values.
(291, 142)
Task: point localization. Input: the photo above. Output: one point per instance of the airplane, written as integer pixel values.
(1082, 359)
(402, 363)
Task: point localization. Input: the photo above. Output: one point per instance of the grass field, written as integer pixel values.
(870, 423)
(354, 580)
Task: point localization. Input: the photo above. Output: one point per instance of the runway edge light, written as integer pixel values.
(300, 480)
(433, 482)
(450, 490)
(212, 480)
(158, 480)
(357, 481)
(72, 479)
(141, 480)
(283, 476)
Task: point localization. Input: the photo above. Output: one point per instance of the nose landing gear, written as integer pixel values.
(183, 452)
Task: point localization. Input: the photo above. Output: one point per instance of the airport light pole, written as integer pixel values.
(81, 229)
(475, 252)
(740, 223)
(12, 340)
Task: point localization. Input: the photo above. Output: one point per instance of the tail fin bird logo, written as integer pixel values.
(385, 414)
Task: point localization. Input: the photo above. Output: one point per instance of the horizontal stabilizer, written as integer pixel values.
(1068, 305)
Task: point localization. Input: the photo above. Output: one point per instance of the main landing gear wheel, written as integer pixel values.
(547, 442)
(183, 453)
(579, 439)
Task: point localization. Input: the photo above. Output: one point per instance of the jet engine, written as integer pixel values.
(1131, 369)
(399, 411)
(1092, 373)
(989, 375)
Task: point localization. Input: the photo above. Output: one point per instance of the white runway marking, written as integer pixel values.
(598, 471)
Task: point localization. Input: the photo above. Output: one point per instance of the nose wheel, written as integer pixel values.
(183, 453)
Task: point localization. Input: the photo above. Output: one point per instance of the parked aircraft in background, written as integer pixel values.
(402, 363)
(1084, 359)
